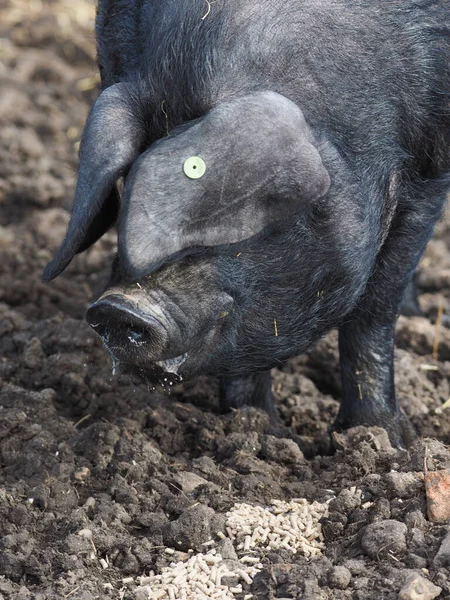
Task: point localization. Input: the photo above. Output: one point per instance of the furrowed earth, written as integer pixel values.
(107, 485)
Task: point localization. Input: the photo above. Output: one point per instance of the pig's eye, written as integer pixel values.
(194, 167)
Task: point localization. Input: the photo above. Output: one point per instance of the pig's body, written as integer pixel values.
(372, 82)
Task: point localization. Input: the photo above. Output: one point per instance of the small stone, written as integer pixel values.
(142, 592)
(384, 537)
(226, 549)
(403, 485)
(418, 588)
(206, 465)
(339, 577)
(85, 533)
(23, 594)
(437, 488)
(82, 474)
(442, 558)
(151, 454)
(189, 481)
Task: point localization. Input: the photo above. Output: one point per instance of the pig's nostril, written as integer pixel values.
(124, 327)
(137, 335)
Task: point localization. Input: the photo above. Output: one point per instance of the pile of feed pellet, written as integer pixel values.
(252, 529)
(198, 578)
(292, 525)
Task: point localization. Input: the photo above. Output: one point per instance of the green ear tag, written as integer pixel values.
(194, 167)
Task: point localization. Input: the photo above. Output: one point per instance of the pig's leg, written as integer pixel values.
(248, 390)
(366, 339)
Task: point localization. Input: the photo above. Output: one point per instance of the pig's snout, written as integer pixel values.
(124, 329)
(153, 333)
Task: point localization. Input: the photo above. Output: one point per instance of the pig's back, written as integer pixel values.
(370, 74)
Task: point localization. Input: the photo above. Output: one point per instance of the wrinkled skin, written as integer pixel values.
(325, 132)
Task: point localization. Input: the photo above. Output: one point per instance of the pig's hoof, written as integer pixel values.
(401, 432)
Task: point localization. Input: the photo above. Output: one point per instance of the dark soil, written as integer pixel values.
(83, 450)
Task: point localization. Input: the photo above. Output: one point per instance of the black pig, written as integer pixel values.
(283, 166)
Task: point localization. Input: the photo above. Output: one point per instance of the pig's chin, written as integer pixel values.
(167, 371)
(194, 361)
(172, 365)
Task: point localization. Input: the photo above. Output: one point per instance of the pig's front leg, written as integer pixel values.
(248, 390)
(366, 339)
(368, 392)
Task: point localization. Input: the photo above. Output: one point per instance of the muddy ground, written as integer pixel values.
(83, 450)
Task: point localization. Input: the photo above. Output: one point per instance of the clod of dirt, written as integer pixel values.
(418, 588)
(376, 437)
(404, 485)
(416, 519)
(33, 355)
(248, 419)
(383, 538)
(339, 509)
(339, 577)
(437, 486)
(346, 501)
(281, 450)
(442, 558)
(285, 580)
(430, 453)
(236, 441)
(355, 566)
(192, 529)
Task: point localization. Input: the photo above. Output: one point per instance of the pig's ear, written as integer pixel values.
(255, 164)
(112, 140)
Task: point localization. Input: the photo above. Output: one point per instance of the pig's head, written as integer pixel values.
(221, 265)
